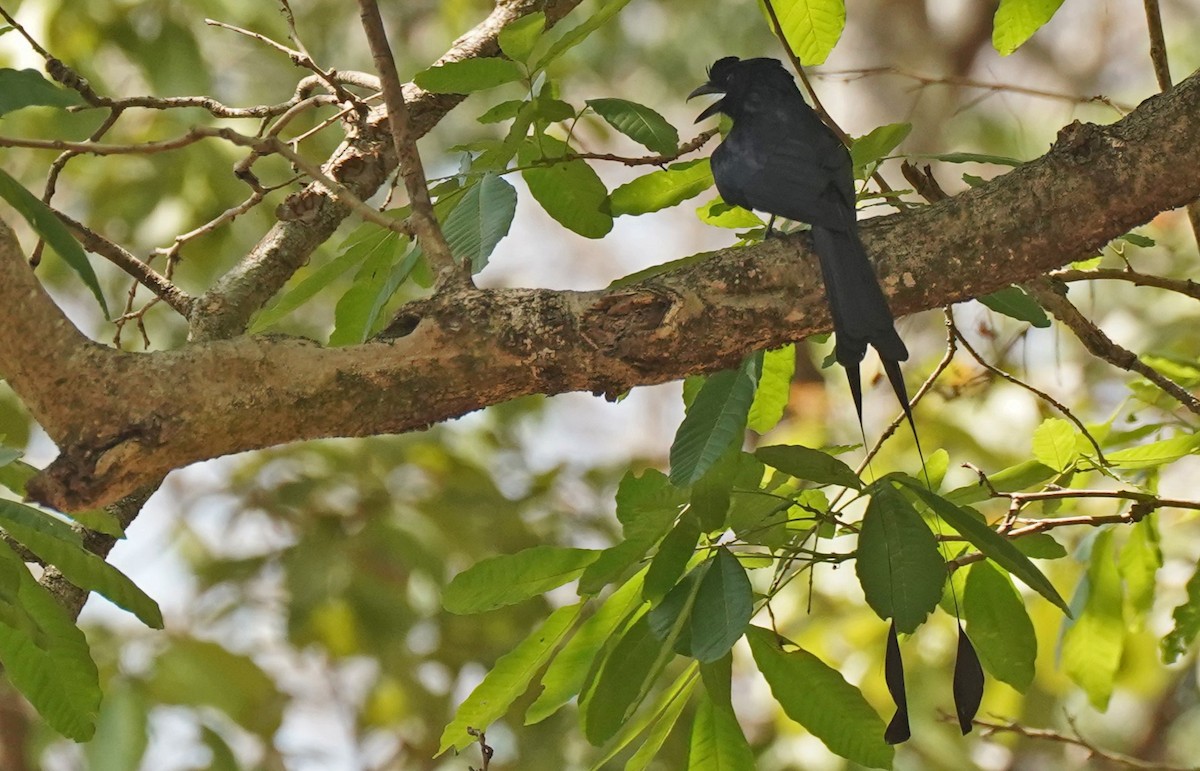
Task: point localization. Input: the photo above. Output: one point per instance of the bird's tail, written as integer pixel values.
(861, 316)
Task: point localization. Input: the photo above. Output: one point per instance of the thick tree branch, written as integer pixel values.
(123, 420)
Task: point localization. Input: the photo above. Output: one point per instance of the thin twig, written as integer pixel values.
(429, 233)
(1052, 296)
(1062, 408)
(1185, 286)
(1158, 45)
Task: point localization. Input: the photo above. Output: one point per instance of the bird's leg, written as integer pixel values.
(770, 233)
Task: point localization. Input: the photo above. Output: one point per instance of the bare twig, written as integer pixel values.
(1052, 296)
(1042, 734)
(646, 160)
(1182, 286)
(437, 251)
(1158, 45)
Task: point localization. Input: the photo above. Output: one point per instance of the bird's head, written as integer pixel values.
(735, 78)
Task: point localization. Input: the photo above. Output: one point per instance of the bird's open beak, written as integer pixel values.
(712, 109)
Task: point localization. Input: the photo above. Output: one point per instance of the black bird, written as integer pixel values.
(781, 159)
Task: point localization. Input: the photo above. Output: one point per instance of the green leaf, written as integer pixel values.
(811, 27)
(468, 75)
(995, 546)
(774, 389)
(199, 673)
(573, 195)
(46, 657)
(674, 553)
(1156, 453)
(663, 188)
(657, 721)
(1040, 546)
(511, 578)
(620, 685)
(565, 676)
(28, 88)
(503, 111)
(999, 625)
(78, 565)
(518, 37)
(359, 308)
(817, 697)
(712, 493)
(722, 215)
(1019, 477)
(49, 227)
(579, 32)
(638, 122)
(1017, 20)
(717, 742)
(809, 465)
(121, 731)
(717, 418)
(647, 507)
(1137, 239)
(722, 609)
(1054, 444)
(1187, 622)
(898, 562)
(1013, 302)
(508, 679)
(1140, 559)
(481, 218)
(1092, 646)
(877, 144)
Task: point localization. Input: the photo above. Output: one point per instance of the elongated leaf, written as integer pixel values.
(774, 389)
(638, 122)
(29, 88)
(1054, 444)
(359, 307)
(80, 566)
(1092, 646)
(481, 218)
(508, 679)
(468, 75)
(878, 143)
(1140, 559)
(1019, 477)
(647, 507)
(672, 558)
(1015, 303)
(518, 38)
(817, 697)
(999, 625)
(663, 188)
(1187, 622)
(723, 607)
(716, 419)
(46, 656)
(717, 742)
(47, 225)
(573, 195)
(511, 578)
(998, 548)
(811, 27)
(121, 731)
(1017, 20)
(657, 721)
(620, 684)
(898, 562)
(579, 32)
(1155, 453)
(565, 676)
(722, 215)
(808, 464)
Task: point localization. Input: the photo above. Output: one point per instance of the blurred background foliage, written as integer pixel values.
(302, 585)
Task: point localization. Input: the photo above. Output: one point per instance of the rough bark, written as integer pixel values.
(123, 420)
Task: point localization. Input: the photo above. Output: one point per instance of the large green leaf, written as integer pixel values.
(877, 144)
(717, 614)
(663, 188)
(518, 38)
(638, 122)
(817, 697)
(508, 679)
(716, 419)
(481, 218)
(571, 193)
(45, 655)
(1015, 303)
(898, 563)
(1019, 477)
(1140, 559)
(565, 676)
(1156, 453)
(1187, 622)
(995, 546)
(999, 625)
(812, 27)
(78, 565)
(774, 389)
(358, 309)
(468, 75)
(809, 465)
(511, 578)
(676, 549)
(1092, 646)
(47, 225)
(656, 721)
(1017, 20)
(621, 684)
(29, 88)
(1054, 444)
(576, 35)
(717, 742)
